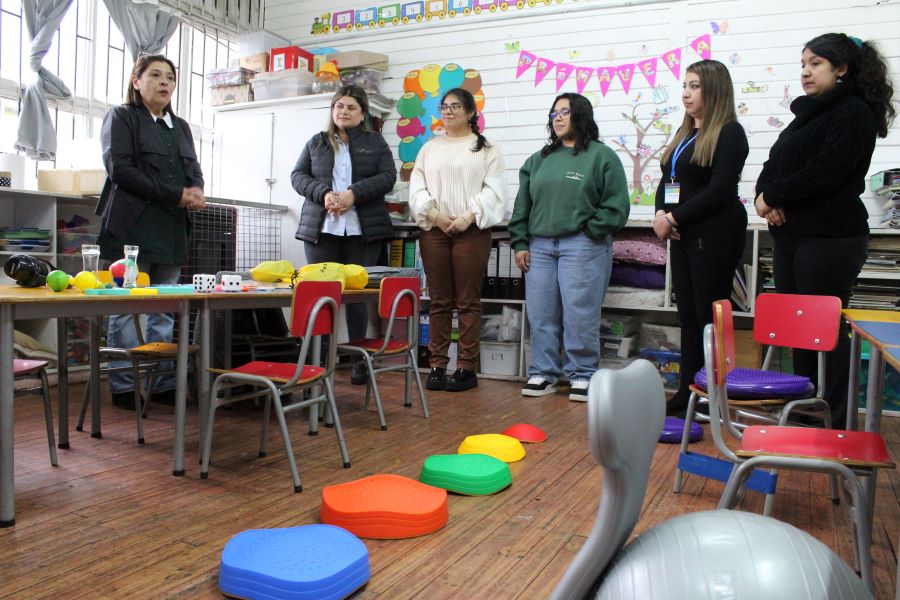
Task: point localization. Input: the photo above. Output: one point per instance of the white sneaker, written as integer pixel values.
(578, 390)
(538, 385)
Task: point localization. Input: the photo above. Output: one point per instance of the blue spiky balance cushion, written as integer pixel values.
(470, 474)
(310, 562)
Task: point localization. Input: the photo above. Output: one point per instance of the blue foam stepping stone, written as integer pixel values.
(310, 562)
(470, 474)
(674, 427)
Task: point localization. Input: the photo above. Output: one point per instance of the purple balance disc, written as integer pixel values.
(673, 428)
(755, 383)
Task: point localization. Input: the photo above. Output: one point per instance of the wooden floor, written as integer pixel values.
(112, 522)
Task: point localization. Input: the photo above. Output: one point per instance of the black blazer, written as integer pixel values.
(374, 175)
(132, 151)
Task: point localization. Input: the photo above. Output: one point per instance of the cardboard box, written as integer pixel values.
(360, 58)
(290, 57)
(88, 182)
(748, 353)
(255, 62)
(499, 358)
(230, 94)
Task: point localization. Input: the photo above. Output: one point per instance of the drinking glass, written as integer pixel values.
(90, 258)
(131, 266)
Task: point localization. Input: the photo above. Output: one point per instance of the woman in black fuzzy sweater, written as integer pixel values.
(809, 189)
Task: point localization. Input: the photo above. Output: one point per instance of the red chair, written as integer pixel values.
(398, 299)
(29, 369)
(847, 454)
(314, 313)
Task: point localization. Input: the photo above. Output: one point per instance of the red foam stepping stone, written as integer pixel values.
(386, 507)
(526, 433)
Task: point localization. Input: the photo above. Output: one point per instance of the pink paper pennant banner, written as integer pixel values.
(672, 58)
(703, 46)
(526, 59)
(563, 71)
(605, 75)
(542, 67)
(625, 72)
(648, 68)
(582, 75)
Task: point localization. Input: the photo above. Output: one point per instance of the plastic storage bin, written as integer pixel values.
(282, 84)
(228, 76)
(667, 363)
(499, 358)
(367, 79)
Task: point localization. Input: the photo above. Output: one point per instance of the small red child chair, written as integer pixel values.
(314, 312)
(398, 298)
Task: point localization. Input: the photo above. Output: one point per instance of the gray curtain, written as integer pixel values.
(144, 26)
(37, 136)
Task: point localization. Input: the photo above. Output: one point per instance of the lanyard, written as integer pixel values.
(678, 150)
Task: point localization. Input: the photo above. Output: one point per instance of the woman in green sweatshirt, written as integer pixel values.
(572, 197)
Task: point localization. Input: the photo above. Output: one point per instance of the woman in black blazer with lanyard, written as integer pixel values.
(698, 208)
(809, 189)
(153, 180)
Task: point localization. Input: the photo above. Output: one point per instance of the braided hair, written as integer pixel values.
(466, 98)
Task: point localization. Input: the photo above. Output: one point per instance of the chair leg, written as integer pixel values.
(770, 498)
(138, 399)
(264, 432)
(84, 404)
(862, 533)
(48, 417)
(210, 417)
(685, 438)
(286, 438)
(415, 373)
(370, 365)
(329, 393)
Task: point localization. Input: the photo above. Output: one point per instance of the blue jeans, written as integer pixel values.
(564, 289)
(120, 333)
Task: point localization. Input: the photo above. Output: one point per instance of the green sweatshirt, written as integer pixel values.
(565, 193)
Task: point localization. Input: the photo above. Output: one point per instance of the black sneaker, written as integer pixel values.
(123, 400)
(437, 379)
(538, 385)
(462, 379)
(359, 374)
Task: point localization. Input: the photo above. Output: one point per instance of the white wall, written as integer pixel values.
(762, 44)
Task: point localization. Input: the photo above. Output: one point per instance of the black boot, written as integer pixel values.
(437, 379)
(359, 374)
(462, 379)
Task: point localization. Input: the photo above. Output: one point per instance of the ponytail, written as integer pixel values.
(482, 141)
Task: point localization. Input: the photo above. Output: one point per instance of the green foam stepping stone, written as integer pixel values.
(470, 474)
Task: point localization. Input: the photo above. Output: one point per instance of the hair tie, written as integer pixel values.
(858, 42)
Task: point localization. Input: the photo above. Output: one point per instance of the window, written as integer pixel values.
(89, 54)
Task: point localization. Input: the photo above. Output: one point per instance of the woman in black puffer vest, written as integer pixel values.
(809, 189)
(343, 174)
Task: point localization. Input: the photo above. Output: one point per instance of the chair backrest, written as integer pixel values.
(797, 321)
(723, 342)
(626, 410)
(306, 295)
(718, 352)
(392, 292)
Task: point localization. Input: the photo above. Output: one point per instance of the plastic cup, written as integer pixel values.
(131, 267)
(90, 258)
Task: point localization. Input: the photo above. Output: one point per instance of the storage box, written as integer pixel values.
(86, 182)
(228, 76)
(230, 94)
(282, 84)
(258, 63)
(616, 346)
(667, 363)
(360, 58)
(660, 337)
(290, 57)
(499, 358)
(70, 241)
(619, 325)
(367, 79)
(747, 352)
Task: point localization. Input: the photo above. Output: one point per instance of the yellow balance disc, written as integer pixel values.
(506, 448)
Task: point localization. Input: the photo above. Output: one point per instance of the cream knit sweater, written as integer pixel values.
(451, 179)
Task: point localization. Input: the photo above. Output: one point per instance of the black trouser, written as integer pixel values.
(823, 267)
(348, 250)
(703, 267)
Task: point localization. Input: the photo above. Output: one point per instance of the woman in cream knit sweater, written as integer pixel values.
(456, 194)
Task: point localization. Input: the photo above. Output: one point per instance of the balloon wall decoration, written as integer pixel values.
(420, 115)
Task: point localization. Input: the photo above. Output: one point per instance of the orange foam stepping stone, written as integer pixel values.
(506, 448)
(386, 507)
(526, 433)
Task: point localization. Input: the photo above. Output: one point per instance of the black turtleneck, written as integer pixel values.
(817, 167)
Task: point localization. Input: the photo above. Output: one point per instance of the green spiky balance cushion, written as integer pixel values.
(470, 474)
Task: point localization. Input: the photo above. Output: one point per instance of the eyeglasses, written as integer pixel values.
(451, 108)
(562, 113)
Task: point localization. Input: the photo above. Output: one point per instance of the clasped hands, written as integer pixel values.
(772, 215)
(663, 227)
(192, 198)
(337, 203)
(451, 225)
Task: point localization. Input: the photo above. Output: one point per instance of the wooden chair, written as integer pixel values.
(28, 369)
(846, 454)
(314, 313)
(398, 298)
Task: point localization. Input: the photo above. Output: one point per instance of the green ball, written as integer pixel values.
(57, 281)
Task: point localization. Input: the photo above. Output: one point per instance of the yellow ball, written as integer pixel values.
(85, 280)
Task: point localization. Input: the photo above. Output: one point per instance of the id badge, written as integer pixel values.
(671, 193)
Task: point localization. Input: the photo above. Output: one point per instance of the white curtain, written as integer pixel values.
(37, 135)
(144, 25)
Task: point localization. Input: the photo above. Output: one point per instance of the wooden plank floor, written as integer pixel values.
(112, 522)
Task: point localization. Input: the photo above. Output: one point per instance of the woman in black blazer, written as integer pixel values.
(153, 180)
(343, 174)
